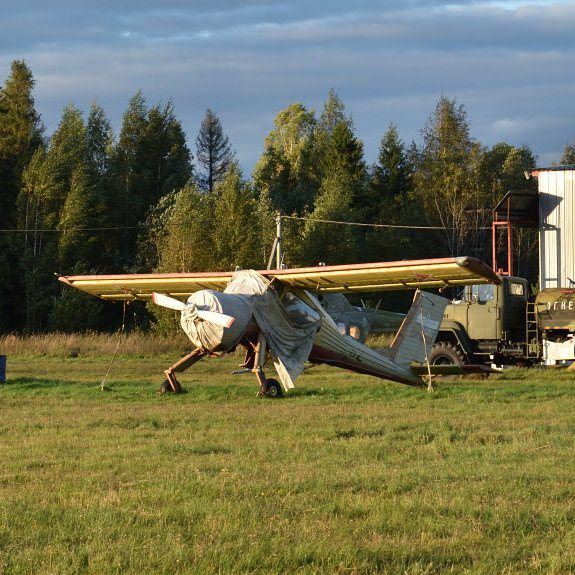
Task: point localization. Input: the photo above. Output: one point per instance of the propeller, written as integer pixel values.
(214, 317)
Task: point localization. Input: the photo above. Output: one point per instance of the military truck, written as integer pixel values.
(505, 325)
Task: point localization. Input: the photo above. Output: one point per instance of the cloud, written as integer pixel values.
(505, 61)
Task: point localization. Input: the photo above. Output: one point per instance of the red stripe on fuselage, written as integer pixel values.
(322, 355)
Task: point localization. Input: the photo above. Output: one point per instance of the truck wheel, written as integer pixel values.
(445, 353)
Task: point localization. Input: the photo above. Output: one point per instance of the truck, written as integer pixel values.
(506, 324)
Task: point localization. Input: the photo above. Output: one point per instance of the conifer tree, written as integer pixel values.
(389, 195)
(345, 154)
(47, 181)
(66, 151)
(150, 160)
(391, 175)
(508, 165)
(79, 249)
(99, 141)
(99, 150)
(166, 157)
(333, 113)
(126, 173)
(20, 137)
(213, 152)
(236, 226)
(344, 158)
(341, 198)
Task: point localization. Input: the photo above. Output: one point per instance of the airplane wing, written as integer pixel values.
(369, 277)
(389, 276)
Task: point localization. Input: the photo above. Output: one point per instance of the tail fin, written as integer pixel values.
(416, 336)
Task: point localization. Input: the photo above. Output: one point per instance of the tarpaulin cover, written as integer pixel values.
(288, 326)
(209, 335)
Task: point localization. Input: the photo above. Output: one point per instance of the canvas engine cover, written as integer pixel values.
(211, 336)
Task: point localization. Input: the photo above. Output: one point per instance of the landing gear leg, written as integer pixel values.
(268, 387)
(258, 365)
(171, 383)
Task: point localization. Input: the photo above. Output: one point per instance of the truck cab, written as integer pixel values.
(487, 321)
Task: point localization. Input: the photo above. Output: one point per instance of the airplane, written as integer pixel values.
(276, 314)
(359, 321)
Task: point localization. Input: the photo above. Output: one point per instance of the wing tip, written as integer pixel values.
(479, 267)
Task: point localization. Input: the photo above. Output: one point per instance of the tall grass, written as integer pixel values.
(93, 344)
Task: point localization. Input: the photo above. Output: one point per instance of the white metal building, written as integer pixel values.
(556, 226)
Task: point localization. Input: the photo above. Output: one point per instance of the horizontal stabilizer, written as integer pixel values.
(421, 369)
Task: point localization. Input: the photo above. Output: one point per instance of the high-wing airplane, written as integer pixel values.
(275, 313)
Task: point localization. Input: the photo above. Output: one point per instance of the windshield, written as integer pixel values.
(482, 293)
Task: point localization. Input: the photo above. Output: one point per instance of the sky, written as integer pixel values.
(510, 63)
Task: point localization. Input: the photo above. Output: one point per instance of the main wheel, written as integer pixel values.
(274, 389)
(165, 387)
(445, 353)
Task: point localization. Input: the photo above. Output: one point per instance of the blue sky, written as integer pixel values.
(510, 63)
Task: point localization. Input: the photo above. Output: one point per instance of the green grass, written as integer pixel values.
(347, 474)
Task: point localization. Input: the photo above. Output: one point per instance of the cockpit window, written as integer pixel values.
(516, 288)
(483, 293)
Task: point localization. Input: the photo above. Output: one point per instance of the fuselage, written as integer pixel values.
(333, 348)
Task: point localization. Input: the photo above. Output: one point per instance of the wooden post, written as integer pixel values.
(279, 241)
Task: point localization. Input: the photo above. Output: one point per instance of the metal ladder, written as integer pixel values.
(531, 331)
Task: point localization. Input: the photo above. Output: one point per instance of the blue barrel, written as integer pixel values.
(2, 369)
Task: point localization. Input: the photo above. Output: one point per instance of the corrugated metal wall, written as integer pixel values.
(556, 228)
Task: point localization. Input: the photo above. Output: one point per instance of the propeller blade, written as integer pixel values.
(216, 318)
(167, 301)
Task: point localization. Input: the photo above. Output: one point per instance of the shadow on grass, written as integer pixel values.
(33, 383)
(64, 388)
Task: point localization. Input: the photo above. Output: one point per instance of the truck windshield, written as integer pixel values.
(482, 292)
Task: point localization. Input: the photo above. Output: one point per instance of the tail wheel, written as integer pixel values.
(274, 389)
(445, 353)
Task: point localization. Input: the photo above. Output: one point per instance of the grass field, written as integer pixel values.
(348, 474)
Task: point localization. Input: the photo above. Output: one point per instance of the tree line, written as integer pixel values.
(88, 200)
